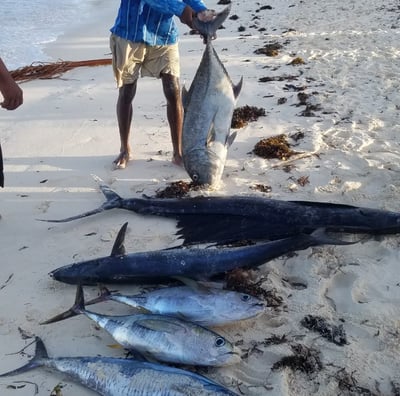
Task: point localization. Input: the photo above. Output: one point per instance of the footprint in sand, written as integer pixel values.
(343, 296)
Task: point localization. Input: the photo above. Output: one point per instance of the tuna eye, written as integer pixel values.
(245, 297)
(219, 342)
(195, 177)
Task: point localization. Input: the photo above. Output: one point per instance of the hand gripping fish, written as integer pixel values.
(109, 376)
(208, 109)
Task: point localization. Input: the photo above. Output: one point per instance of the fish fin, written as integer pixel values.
(208, 29)
(237, 88)
(113, 201)
(322, 237)
(114, 346)
(103, 296)
(159, 325)
(230, 139)
(119, 247)
(75, 310)
(36, 361)
(185, 97)
(193, 284)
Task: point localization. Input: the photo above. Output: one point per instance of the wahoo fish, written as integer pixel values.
(194, 263)
(124, 377)
(208, 109)
(206, 306)
(160, 337)
(223, 219)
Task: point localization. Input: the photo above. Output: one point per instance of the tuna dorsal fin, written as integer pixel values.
(237, 88)
(119, 247)
(208, 29)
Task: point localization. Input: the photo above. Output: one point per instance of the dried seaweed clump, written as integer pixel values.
(176, 189)
(274, 147)
(306, 360)
(271, 49)
(239, 281)
(332, 333)
(243, 115)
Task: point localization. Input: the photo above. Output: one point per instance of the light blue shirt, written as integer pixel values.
(151, 21)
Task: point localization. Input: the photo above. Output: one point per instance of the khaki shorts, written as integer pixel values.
(130, 59)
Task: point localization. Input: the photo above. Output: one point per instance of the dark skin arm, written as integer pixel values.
(10, 90)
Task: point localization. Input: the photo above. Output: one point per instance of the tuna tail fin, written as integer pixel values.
(104, 295)
(113, 201)
(36, 361)
(208, 29)
(77, 309)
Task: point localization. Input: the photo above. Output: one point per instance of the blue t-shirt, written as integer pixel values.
(151, 21)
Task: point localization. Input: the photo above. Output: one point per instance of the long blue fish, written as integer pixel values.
(124, 377)
(194, 263)
(234, 218)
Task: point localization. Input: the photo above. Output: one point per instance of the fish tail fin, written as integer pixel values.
(237, 88)
(104, 295)
(208, 29)
(321, 237)
(36, 361)
(77, 309)
(113, 200)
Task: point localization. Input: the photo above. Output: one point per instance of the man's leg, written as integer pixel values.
(124, 115)
(172, 93)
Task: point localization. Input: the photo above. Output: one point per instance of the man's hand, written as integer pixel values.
(13, 96)
(206, 15)
(187, 16)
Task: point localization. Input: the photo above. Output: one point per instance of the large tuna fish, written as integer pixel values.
(208, 106)
(195, 263)
(124, 377)
(203, 305)
(161, 337)
(233, 218)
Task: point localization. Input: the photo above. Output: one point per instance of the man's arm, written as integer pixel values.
(12, 93)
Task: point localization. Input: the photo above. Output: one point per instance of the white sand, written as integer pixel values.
(67, 131)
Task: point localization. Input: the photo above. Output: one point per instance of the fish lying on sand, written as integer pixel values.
(223, 219)
(206, 306)
(161, 337)
(124, 377)
(209, 106)
(193, 263)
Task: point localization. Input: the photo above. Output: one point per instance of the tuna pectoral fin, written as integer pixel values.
(119, 247)
(159, 325)
(36, 361)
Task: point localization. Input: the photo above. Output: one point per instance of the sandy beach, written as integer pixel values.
(345, 127)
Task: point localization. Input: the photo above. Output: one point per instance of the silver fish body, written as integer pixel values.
(161, 337)
(125, 377)
(204, 306)
(209, 106)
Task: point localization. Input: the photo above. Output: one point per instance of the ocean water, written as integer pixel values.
(27, 25)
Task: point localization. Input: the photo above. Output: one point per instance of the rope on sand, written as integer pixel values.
(48, 70)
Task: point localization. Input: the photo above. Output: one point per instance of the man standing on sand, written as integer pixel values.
(144, 40)
(12, 98)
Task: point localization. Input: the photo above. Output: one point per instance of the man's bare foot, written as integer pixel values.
(122, 160)
(177, 160)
